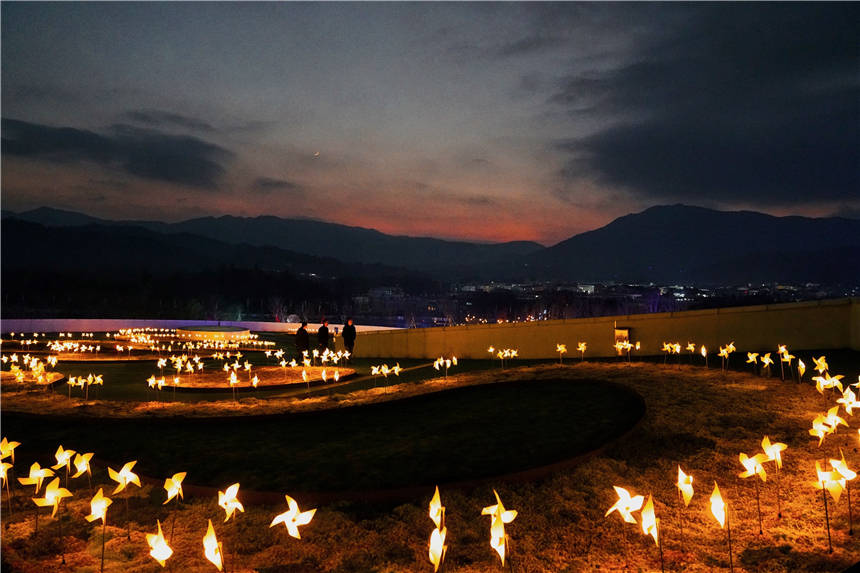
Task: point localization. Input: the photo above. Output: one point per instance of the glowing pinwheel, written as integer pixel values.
(849, 401)
(801, 368)
(36, 476)
(752, 358)
(293, 518)
(53, 495)
(626, 504)
(82, 464)
(64, 458)
(580, 347)
(124, 477)
(841, 468)
(7, 449)
(766, 361)
(820, 364)
(158, 547)
(561, 349)
(438, 548)
(718, 507)
(773, 451)
(212, 548)
(829, 480)
(173, 486)
(847, 475)
(825, 382)
(685, 486)
(499, 516)
(753, 466)
(436, 509)
(649, 520)
(98, 507)
(228, 501)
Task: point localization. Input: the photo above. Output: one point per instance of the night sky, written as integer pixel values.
(476, 121)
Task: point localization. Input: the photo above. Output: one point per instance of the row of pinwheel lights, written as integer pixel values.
(213, 550)
(73, 346)
(160, 550)
(834, 481)
(36, 368)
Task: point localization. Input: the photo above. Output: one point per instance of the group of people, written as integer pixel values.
(323, 337)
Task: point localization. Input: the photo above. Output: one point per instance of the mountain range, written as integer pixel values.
(663, 244)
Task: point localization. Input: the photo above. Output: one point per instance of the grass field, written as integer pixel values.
(700, 419)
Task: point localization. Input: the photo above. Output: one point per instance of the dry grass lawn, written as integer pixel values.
(698, 418)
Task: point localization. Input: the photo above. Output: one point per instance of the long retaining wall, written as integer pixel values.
(821, 324)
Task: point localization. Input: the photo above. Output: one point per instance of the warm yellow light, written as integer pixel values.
(64, 458)
(773, 451)
(7, 449)
(53, 495)
(499, 516)
(211, 547)
(626, 504)
(649, 520)
(159, 550)
(82, 464)
(293, 518)
(173, 486)
(36, 476)
(753, 466)
(98, 506)
(685, 486)
(718, 507)
(227, 500)
(124, 477)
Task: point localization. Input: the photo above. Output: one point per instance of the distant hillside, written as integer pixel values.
(662, 244)
(693, 244)
(349, 244)
(95, 249)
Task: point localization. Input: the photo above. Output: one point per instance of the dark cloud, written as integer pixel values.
(166, 119)
(758, 103)
(145, 153)
(268, 184)
(530, 45)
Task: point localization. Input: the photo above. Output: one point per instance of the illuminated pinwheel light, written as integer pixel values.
(625, 504)
(229, 502)
(293, 518)
(499, 516)
(158, 547)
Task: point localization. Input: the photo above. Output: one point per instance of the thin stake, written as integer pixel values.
(729, 534)
(758, 506)
(104, 528)
(127, 520)
(826, 517)
(681, 516)
(9, 498)
(62, 545)
(850, 516)
(778, 497)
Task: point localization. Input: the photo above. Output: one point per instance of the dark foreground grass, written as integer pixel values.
(456, 435)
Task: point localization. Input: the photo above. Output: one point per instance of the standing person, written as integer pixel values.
(349, 337)
(322, 336)
(302, 339)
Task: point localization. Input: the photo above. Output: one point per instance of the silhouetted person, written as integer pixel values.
(322, 336)
(302, 339)
(349, 336)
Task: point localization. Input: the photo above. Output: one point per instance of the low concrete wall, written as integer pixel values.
(30, 325)
(806, 325)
